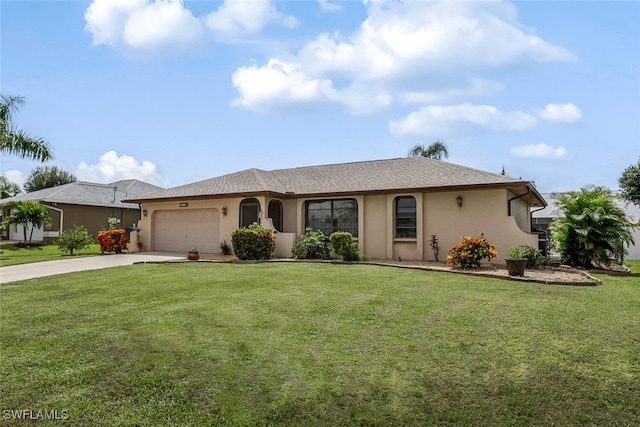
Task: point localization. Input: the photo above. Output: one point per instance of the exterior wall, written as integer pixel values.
(94, 218)
(375, 224)
(481, 212)
(227, 223)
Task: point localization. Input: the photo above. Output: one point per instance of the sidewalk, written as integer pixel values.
(14, 273)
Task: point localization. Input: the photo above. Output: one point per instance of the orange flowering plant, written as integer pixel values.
(113, 240)
(471, 251)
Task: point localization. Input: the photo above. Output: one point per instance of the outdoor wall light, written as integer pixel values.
(144, 213)
(224, 210)
(459, 200)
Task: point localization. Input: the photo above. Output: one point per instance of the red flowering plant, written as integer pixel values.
(471, 251)
(253, 242)
(113, 240)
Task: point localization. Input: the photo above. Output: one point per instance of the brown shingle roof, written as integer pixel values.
(408, 173)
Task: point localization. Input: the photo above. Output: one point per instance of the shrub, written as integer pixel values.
(113, 240)
(592, 228)
(534, 256)
(343, 245)
(225, 249)
(75, 239)
(471, 251)
(314, 244)
(253, 242)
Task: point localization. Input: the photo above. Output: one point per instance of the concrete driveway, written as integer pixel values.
(14, 273)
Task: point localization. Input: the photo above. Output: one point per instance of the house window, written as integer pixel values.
(332, 215)
(249, 212)
(406, 217)
(275, 213)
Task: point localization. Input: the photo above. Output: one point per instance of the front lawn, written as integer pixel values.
(318, 344)
(14, 254)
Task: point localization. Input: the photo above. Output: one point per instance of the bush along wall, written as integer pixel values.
(343, 245)
(253, 242)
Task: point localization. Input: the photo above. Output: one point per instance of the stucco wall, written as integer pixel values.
(481, 212)
(437, 214)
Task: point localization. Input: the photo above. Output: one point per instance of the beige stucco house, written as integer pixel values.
(392, 207)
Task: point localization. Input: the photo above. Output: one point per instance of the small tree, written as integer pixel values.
(47, 177)
(25, 213)
(630, 183)
(75, 239)
(592, 228)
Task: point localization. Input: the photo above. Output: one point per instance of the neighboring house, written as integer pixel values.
(82, 203)
(392, 207)
(542, 218)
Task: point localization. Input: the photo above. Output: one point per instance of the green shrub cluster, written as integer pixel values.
(471, 251)
(75, 239)
(343, 245)
(534, 256)
(253, 242)
(313, 244)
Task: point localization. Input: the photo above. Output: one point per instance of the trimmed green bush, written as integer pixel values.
(75, 239)
(343, 245)
(253, 242)
(314, 244)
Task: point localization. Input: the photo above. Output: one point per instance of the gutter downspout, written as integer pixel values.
(61, 216)
(531, 215)
(516, 197)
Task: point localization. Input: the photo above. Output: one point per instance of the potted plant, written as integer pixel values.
(517, 261)
(193, 254)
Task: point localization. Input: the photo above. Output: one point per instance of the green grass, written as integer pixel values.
(194, 344)
(12, 254)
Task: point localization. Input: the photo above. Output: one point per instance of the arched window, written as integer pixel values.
(249, 212)
(405, 210)
(275, 213)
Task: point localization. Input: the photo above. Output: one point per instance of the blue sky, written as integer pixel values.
(173, 92)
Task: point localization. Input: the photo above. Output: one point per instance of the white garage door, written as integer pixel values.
(180, 231)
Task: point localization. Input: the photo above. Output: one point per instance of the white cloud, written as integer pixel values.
(141, 24)
(112, 167)
(261, 87)
(540, 151)
(327, 6)
(444, 119)
(237, 17)
(560, 113)
(16, 176)
(416, 44)
(160, 24)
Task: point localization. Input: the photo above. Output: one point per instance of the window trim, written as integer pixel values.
(353, 230)
(397, 227)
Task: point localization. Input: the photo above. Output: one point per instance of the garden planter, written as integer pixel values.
(516, 266)
(193, 255)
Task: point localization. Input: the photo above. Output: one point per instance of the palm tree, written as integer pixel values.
(27, 213)
(593, 227)
(16, 142)
(437, 150)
